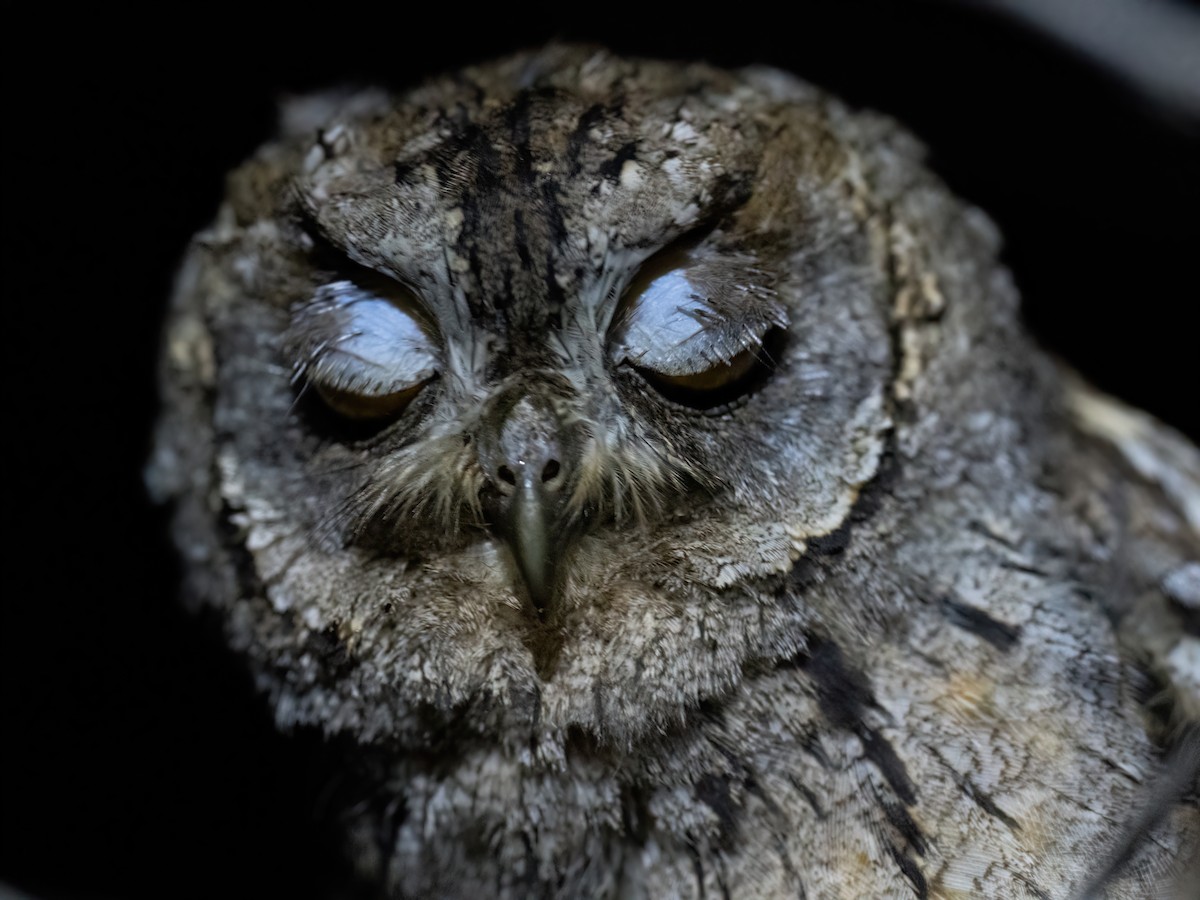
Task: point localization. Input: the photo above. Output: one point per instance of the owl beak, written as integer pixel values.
(526, 452)
(530, 534)
(531, 522)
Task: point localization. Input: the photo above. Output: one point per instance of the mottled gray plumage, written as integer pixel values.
(643, 465)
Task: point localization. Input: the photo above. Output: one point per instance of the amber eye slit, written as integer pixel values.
(362, 408)
(721, 375)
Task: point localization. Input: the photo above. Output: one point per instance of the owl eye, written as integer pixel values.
(695, 326)
(367, 353)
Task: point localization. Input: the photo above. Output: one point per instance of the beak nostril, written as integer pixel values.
(551, 471)
(506, 475)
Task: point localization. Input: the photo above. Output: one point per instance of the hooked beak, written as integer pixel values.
(528, 456)
(531, 515)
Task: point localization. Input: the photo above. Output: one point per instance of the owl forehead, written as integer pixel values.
(503, 213)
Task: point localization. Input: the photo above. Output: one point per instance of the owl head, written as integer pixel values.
(514, 400)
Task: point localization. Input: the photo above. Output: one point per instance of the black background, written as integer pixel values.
(137, 760)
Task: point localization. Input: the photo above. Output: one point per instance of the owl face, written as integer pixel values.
(529, 388)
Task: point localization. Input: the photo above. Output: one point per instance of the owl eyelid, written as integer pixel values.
(672, 329)
(357, 348)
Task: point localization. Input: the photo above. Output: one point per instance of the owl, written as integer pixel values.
(640, 467)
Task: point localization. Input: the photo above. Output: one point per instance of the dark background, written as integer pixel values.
(135, 758)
